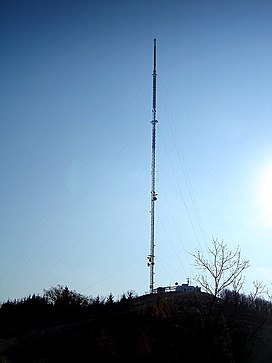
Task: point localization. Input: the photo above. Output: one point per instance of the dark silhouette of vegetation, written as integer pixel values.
(64, 326)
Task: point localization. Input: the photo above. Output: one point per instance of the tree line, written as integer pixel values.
(219, 324)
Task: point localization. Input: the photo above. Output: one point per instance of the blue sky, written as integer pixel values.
(76, 100)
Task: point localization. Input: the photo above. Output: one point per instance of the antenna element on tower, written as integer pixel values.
(151, 256)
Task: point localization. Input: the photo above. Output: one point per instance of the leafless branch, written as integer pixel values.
(225, 269)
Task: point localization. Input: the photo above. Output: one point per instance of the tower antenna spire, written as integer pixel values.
(151, 256)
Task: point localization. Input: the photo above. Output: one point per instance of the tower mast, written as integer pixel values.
(151, 257)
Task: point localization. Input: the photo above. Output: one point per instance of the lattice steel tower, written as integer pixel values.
(151, 256)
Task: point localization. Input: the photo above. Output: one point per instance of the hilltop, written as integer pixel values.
(155, 327)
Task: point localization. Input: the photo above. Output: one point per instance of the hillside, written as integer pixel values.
(160, 327)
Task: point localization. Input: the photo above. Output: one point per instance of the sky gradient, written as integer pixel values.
(75, 141)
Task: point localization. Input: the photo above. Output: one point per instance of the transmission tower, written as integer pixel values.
(151, 256)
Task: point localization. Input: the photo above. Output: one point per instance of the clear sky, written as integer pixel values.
(76, 101)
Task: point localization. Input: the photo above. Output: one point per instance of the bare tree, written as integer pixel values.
(260, 290)
(223, 269)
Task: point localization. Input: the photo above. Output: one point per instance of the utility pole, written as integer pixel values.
(151, 256)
